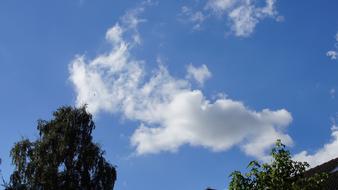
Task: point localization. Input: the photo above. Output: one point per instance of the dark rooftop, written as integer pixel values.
(331, 168)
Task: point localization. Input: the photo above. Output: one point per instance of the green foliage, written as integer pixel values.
(63, 157)
(281, 174)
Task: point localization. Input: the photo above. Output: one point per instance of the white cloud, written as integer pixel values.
(333, 54)
(170, 113)
(327, 152)
(131, 21)
(247, 15)
(191, 119)
(200, 74)
(219, 6)
(243, 21)
(268, 10)
(197, 17)
(114, 34)
(241, 15)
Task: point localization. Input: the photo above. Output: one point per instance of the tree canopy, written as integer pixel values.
(62, 157)
(282, 173)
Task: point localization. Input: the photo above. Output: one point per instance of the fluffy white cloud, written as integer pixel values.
(170, 113)
(189, 118)
(200, 74)
(333, 54)
(327, 152)
(242, 15)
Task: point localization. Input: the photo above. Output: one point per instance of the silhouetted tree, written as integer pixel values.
(63, 156)
(281, 174)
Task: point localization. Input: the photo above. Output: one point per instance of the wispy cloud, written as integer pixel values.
(241, 15)
(333, 54)
(199, 74)
(170, 113)
(220, 6)
(197, 18)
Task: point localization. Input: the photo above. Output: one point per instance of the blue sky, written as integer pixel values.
(182, 92)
